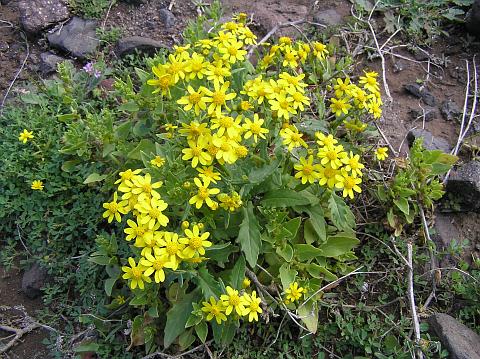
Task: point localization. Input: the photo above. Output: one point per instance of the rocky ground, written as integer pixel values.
(427, 85)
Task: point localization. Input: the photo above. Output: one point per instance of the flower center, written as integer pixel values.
(329, 172)
(147, 187)
(154, 213)
(226, 122)
(136, 273)
(218, 98)
(203, 192)
(195, 97)
(307, 169)
(113, 207)
(295, 137)
(171, 248)
(158, 264)
(195, 242)
(331, 155)
(349, 182)
(283, 104)
(234, 300)
(255, 128)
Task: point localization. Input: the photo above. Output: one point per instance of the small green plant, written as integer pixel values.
(93, 9)
(110, 36)
(416, 184)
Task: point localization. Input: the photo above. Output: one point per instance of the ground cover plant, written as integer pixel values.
(216, 196)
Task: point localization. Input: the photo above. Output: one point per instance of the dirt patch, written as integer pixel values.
(30, 346)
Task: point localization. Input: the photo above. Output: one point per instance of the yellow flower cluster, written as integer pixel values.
(364, 98)
(293, 293)
(331, 166)
(233, 303)
(160, 249)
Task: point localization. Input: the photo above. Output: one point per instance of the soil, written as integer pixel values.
(446, 80)
(11, 296)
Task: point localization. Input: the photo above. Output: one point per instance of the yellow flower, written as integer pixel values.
(319, 50)
(353, 164)
(196, 152)
(155, 264)
(292, 138)
(226, 149)
(218, 98)
(151, 212)
(283, 105)
(226, 125)
(194, 129)
(134, 230)
(252, 306)
(195, 242)
(230, 203)
(254, 128)
(194, 99)
(369, 82)
(208, 174)
(144, 188)
(217, 73)
(232, 300)
(327, 176)
(294, 292)
(171, 247)
(158, 161)
(232, 51)
(381, 153)
(343, 87)
(113, 209)
(332, 156)
(246, 283)
(290, 57)
(175, 67)
(38, 185)
(247, 36)
(203, 194)
(339, 106)
(245, 106)
(120, 299)
(135, 274)
(127, 175)
(307, 171)
(327, 141)
(348, 183)
(163, 81)
(25, 136)
(374, 107)
(215, 310)
(258, 89)
(196, 67)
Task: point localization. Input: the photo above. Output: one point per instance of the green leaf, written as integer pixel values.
(202, 331)
(285, 252)
(341, 215)
(309, 234)
(87, 347)
(338, 245)
(402, 205)
(317, 218)
(238, 273)
(122, 131)
(186, 339)
(101, 260)
(109, 283)
(220, 252)
(249, 235)
(139, 300)
(224, 333)
(145, 146)
(130, 106)
(317, 271)
(292, 227)
(208, 284)
(193, 319)
(306, 252)
(288, 198)
(137, 335)
(309, 315)
(287, 275)
(258, 175)
(94, 177)
(177, 317)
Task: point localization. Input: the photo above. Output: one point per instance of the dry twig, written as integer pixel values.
(19, 333)
(411, 296)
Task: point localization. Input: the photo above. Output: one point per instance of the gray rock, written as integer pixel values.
(4, 2)
(445, 231)
(78, 37)
(464, 186)
(167, 18)
(129, 45)
(329, 17)
(399, 66)
(4, 46)
(460, 341)
(420, 92)
(49, 62)
(430, 113)
(37, 15)
(473, 19)
(33, 281)
(450, 110)
(430, 142)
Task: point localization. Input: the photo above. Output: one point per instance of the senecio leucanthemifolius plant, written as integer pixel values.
(241, 206)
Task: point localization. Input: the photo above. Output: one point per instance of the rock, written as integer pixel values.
(33, 281)
(420, 92)
(4, 46)
(49, 62)
(77, 37)
(460, 341)
(329, 17)
(430, 113)
(420, 55)
(450, 110)
(473, 19)
(167, 18)
(430, 142)
(464, 186)
(4, 2)
(399, 66)
(130, 44)
(37, 15)
(445, 231)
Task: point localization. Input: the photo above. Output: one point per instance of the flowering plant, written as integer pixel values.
(238, 205)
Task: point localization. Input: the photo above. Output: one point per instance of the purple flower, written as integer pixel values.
(89, 69)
